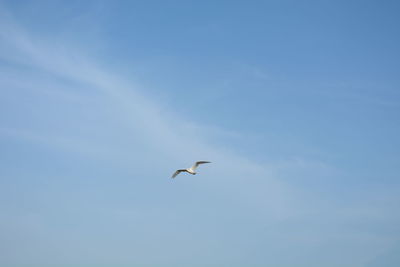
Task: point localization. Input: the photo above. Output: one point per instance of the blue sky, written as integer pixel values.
(296, 103)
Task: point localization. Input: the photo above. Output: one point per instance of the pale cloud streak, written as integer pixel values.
(161, 130)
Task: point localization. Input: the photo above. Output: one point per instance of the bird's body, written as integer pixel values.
(191, 170)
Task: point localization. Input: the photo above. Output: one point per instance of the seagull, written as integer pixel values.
(191, 170)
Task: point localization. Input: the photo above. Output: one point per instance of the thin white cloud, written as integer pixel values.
(162, 129)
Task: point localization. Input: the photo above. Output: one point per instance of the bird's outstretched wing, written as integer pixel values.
(177, 172)
(194, 167)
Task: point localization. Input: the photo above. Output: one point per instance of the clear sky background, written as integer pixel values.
(296, 103)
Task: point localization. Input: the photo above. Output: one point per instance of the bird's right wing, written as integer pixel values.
(177, 172)
(194, 167)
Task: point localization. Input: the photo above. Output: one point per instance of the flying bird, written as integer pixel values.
(191, 170)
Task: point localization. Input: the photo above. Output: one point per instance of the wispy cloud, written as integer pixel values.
(142, 119)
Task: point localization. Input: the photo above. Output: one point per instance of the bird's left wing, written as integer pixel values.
(198, 163)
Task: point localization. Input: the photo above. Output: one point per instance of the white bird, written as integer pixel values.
(191, 170)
